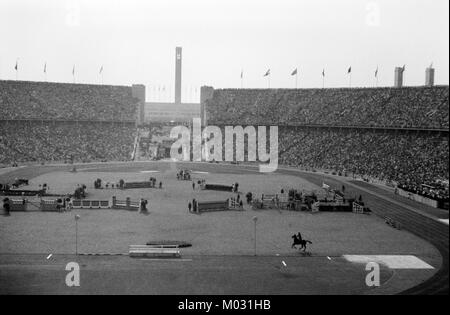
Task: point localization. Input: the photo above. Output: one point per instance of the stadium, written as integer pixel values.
(113, 189)
(363, 144)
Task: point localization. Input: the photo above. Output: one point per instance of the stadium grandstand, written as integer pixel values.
(61, 101)
(42, 122)
(408, 107)
(396, 135)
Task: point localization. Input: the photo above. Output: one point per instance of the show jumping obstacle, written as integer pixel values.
(217, 206)
(151, 251)
(126, 204)
(90, 204)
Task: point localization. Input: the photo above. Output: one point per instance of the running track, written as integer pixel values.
(434, 232)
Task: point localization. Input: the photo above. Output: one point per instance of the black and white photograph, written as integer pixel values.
(218, 155)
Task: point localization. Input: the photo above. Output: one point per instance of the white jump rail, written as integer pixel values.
(154, 251)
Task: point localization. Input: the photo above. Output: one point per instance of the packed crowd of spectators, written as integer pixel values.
(402, 157)
(59, 101)
(409, 107)
(438, 190)
(42, 122)
(63, 142)
(409, 159)
(406, 159)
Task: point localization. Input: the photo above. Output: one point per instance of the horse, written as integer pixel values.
(298, 241)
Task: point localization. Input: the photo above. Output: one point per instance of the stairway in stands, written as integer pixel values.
(136, 149)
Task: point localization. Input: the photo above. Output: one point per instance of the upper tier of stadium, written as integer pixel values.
(62, 101)
(409, 107)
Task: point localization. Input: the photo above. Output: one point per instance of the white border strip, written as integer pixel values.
(391, 261)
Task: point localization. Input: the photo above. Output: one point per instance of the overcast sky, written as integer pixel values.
(135, 42)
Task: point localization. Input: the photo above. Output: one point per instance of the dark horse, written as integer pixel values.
(299, 241)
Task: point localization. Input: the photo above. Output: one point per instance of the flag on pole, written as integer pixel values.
(267, 73)
(295, 73)
(431, 66)
(376, 73)
(242, 78)
(349, 72)
(323, 78)
(404, 68)
(45, 68)
(73, 70)
(101, 70)
(16, 67)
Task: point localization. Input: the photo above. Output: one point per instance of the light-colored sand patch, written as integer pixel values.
(445, 221)
(145, 172)
(198, 172)
(391, 261)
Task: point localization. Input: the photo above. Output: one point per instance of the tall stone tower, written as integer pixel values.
(178, 60)
(398, 80)
(429, 76)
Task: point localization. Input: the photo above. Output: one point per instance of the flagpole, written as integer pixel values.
(323, 78)
(101, 75)
(17, 68)
(242, 78)
(268, 77)
(376, 77)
